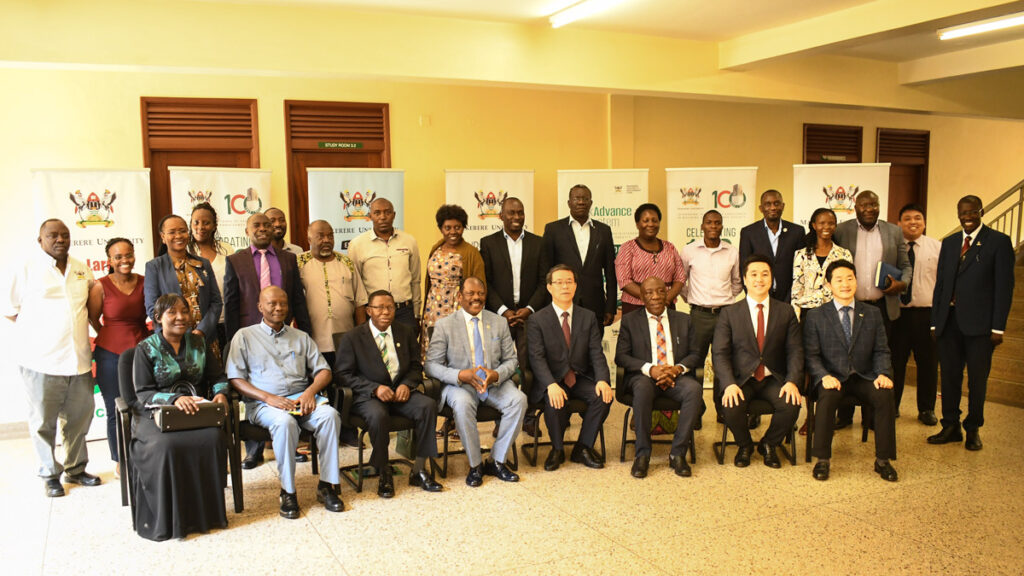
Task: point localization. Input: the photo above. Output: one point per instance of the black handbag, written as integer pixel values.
(172, 419)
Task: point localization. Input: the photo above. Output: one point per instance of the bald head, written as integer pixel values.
(321, 240)
(273, 305)
(55, 239)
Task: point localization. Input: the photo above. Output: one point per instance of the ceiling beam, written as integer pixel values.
(873, 19)
(963, 62)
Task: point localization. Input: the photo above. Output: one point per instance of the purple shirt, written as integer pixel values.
(275, 265)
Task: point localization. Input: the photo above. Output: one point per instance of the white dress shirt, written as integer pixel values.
(51, 333)
(469, 332)
(582, 234)
(390, 345)
(558, 313)
(773, 237)
(712, 274)
(926, 267)
(866, 259)
(752, 305)
(515, 255)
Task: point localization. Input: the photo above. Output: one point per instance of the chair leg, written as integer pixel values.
(361, 462)
(313, 457)
(719, 447)
(600, 435)
(693, 450)
(444, 459)
(625, 429)
(810, 431)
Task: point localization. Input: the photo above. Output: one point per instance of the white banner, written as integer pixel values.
(837, 186)
(342, 197)
(690, 192)
(235, 193)
(481, 192)
(616, 194)
(97, 205)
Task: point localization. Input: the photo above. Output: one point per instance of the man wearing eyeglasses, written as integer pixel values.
(973, 294)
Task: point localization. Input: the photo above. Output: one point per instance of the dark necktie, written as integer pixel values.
(759, 373)
(845, 314)
(965, 247)
(570, 376)
(905, 297)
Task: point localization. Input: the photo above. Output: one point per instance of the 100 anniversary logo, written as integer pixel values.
(356, 205)
(92, 211)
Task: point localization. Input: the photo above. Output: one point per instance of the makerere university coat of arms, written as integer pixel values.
(93, 211)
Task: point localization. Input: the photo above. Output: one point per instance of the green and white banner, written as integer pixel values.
(342, 196)
(481, 192)
(235, 193)
(837, 186)
(691, 192)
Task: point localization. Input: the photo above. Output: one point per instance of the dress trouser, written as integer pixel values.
(557, 419)
(880, 399)
(782, 420)
(912, 333)
(284, 429)
(956, 350)
(703, 324)
(69, 399)
(846, 412)
(418, 408)
(464, 401)
(687, 393)
(406, 315)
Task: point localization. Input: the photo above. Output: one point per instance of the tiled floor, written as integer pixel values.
(952, 512)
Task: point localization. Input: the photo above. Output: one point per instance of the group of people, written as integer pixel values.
(279, 324)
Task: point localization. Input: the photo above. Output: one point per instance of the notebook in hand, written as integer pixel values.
(297, 411)
(882, 273)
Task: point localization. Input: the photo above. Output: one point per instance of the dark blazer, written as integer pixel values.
(894, 251)
(498, 269)
(633, 348)
(551, 360)
(982, 283)
(359, 366)
(162, 279)
(754, 240)
(734, 352)
(826, 350)
(596, 288)
(242, 292)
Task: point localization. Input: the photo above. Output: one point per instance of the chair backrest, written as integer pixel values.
(126, 377)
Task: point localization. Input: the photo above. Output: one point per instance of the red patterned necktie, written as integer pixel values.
(570, 376)
(759, 373)
(966, 246)
(662, 343)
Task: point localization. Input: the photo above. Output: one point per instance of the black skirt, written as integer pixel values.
(178, 479)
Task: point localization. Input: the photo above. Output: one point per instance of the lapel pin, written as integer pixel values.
(785, 230)
(860, 315)
(398, 344)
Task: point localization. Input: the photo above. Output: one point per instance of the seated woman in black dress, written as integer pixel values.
(178, 477)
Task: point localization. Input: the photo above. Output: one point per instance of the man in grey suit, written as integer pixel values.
(871, 241)
(848, 355)
(471, 352)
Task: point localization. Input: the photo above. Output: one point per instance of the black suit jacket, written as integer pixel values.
(498, 269)
(551, 360)
(633, 348)
(826, 349)
(734, 352)
(596, 288)
(358, 364)
(242, 292)
(982, 283)
(754, 240)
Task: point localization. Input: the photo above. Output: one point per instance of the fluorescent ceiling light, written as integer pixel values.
(1000, 23)
(582, 10)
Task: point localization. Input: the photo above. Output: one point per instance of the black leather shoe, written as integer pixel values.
(328, 496)
(640, 466)
(771, 458)
(501, 471)
(753, 421)
(555, 459)
(54, 489)
(475, 477)
(385, 486)
(742, 459)
(946, 435)
(251, 461)
(821, 470)
(843, 423)
(886, 471)
(301, 457)
(928, 418)
(425, 481)
(973, 440)
(585, 455)
(530, 425)
(679, 465)
(289, 506)
(86, 479)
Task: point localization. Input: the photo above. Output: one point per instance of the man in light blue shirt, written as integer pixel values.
(270, 364)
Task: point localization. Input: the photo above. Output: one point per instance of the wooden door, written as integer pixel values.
(907, 152)
(215, 132)
(330, 135)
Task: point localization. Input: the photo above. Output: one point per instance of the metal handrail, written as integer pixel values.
(1009, 221)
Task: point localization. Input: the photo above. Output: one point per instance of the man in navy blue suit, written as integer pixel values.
(973, 293)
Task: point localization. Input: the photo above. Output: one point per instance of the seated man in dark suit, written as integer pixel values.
(757, 353)
(848, 354)
(567, 362)
(380, 361)
(658, 350)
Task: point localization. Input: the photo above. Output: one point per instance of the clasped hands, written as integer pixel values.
(665, 376)
(386, 394)
(190, 404)
(517, 317)
(470, 376)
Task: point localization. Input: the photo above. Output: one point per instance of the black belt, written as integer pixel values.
(709, 310)
(400, 305)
